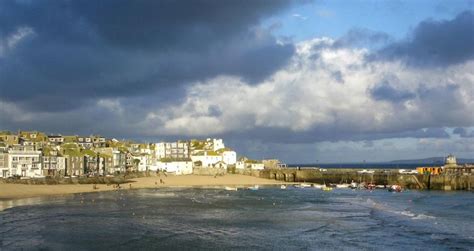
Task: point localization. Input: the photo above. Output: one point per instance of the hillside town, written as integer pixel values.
(33, 154)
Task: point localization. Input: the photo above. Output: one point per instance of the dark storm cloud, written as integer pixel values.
(463, 132)
(80, 51)
(386, 91)
(435, 43)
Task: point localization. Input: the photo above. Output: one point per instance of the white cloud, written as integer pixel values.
(306, 95)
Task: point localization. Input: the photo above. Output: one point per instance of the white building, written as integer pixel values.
(174, 150)
(229, 157)
(142, 162)
(249, 164)
(215, 144)
(206, 158)
(24, 161)
(180, 167)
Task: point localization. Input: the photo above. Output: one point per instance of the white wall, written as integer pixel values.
(177, 167)
(207, 160)
(229, 157)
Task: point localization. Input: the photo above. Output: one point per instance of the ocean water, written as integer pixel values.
(266, 219)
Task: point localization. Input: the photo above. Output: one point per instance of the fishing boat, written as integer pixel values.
(230, 188)
(283, 187)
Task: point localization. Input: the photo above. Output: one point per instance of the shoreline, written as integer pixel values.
(10, 191)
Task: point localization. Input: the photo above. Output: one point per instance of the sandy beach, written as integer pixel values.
(18, 191)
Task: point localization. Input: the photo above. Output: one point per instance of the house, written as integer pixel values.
(206, 158)
(176, 166)
(9, 139)
(74, 159)
(115, 160)
(175, 150)
(245, 163)
(55, 139)
(4, 169)
(228, 156)
(53, 163)
(140, 162)
(24, 161)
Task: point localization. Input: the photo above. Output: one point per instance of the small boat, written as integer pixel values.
(342, 185)
(395, 188)
(354, 185)
(304, 185)
(283, 187)
(230, 188)
(326, 189)
(371, 186)
(253, 188)
(317, 186)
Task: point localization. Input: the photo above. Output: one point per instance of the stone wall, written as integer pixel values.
(379, 177)
(209, 171)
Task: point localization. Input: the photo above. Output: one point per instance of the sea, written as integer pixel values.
(213, 218)
(366, 165)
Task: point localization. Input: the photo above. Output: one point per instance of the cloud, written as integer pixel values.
(299, 16)
(435, 43)
(306, 102)
(463, 132)
(61, 55)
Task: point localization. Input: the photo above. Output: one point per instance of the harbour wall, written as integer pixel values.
(379, 177)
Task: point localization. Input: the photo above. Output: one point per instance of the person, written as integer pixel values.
(130, 186)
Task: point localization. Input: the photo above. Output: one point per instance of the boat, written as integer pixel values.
(304, 185)
(283, 187)
(370, 186)
(326, 188)
(354, 185)
(317, 186)
(342, 185)
(253, 188)
(395, 188)
(230, 188)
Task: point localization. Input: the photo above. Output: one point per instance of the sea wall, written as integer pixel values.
(379, 177)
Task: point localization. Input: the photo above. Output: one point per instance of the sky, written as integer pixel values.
(303, 81)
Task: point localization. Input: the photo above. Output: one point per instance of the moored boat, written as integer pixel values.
(304, 185)
(254, 187)
(230, 188)
(395, 188)
(325, 188)
(283, 187)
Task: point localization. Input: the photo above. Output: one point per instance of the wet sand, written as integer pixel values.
(18, 191)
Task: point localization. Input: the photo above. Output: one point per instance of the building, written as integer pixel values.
(4, 169)
(245, 163)
(53, 163)
(178, 167)
(174, 150)
(206, 158)
(24, 161)
(9, 139)
(55, 139)
(228, 156)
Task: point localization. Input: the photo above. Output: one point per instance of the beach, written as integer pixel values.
(18, 191)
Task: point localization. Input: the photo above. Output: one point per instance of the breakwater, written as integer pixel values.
(378, 177)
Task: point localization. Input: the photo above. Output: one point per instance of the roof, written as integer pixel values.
(209, 153)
